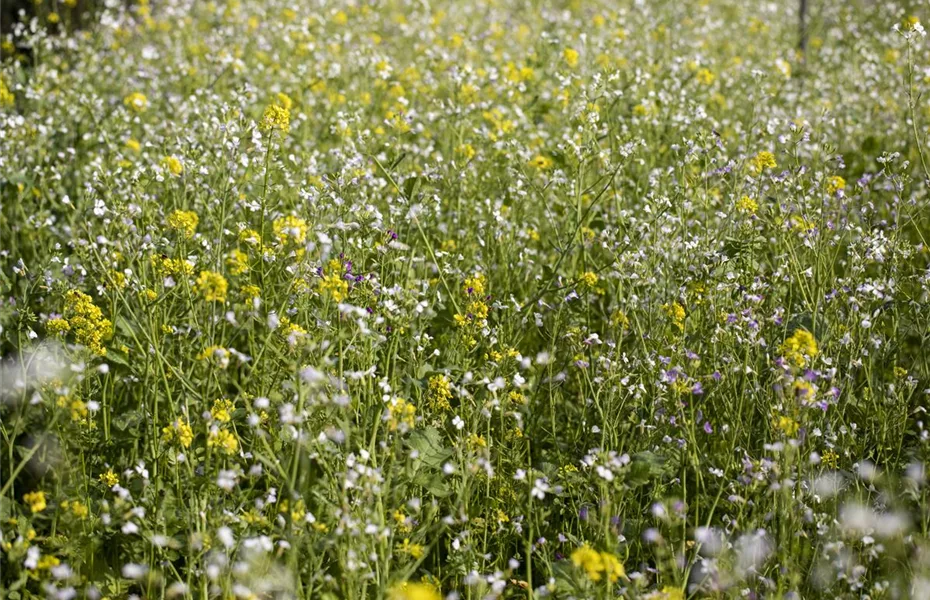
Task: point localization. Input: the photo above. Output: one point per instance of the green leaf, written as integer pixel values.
(429, 447)
(411, 186)
(645, 467)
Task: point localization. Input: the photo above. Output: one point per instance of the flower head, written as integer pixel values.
(136, 102)
(184, 221)
(212, 286)
(276, 118)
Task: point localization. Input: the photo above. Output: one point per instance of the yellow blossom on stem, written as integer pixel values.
(35, 500)
(184, 221)
(223, 440)
(173, 165)
(212, 286)
(276, 118)
(136, 102)
(109, 478)
(763, 160)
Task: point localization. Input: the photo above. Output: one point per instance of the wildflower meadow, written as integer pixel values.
(433, 300)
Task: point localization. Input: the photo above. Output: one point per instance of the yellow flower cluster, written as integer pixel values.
(6, 96)
(763, 160)
(598, 565)
(747, 205)
(136, 102)
(676, 313)
(222, 410)
(184, 221)
(333, 283)
(414, 591)
(212, 286)
(179, 430)
(401, 415)
(667, 593)
(705, 77)
(290, 230)
(223, 440)
(237, 262)
(86, 321)
(109, 478)
(165, 266)
(439, 393)
(799, 348)
(276, 118)
(835, 184)
(588, 280)
(173, 165)
(77, 508)
(35, 500)
(411, 549)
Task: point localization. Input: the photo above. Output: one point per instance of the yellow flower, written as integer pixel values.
(799, 348)
(598, 565)
(6, 96)
(413, 550)
(78, 509)
(171, 266)
(705, 77)
(212, 286)
(224, 440)
(439, 393)
(466, 150)
(401, 415)
(667, 593)
(276, 118)
(251, 291)
(78, 410)
(173, 164)
(588, 279)
(284, 101)
(35, 500)
(290, 229)
(541, 162)
(835, 184)
(237, 262)
(787, 425)
(109, 478)
(478, 310)
(180, 430)
(136, 102)
(747, 205)
(48, 561)
(184, 221)
(613, 568)
(86, 321)
(675, 312)
(475, 285)
(804, 390)
(570, 55)
(222, 410)
(414, 591)
(763, 160)
(334, 284)
(57, 326)
(590, 560)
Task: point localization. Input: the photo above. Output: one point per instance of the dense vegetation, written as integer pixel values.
(416, 300)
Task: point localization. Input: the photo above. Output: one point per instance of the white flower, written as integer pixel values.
(540, 487)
